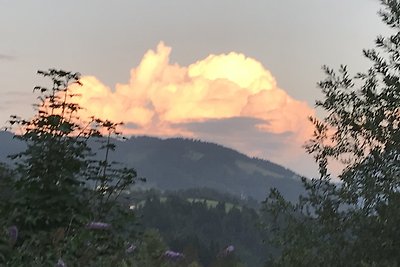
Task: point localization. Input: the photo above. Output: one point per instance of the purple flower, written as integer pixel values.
(226, 251)
(13, 233)
(98, 225)
(229, 249)
(130, 249)
(173, 256)
(61, 263)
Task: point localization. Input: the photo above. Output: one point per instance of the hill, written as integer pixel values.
(177, 163)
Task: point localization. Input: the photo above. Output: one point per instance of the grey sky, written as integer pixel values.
(291, 38)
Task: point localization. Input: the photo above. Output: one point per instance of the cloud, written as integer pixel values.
(230, 126)
(240, 133)
(14, 98)
(222, 97)
(6, 57)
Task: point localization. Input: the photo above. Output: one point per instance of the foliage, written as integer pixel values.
(202, 231)
(354, 222)
(6, 178)
(59, 188)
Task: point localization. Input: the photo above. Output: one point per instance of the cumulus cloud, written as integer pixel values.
(6, 57)
(165, 99)
(243, 135)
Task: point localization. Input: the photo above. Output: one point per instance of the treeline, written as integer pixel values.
(60, 206)
(206, 227)
(202, 227)
(63, 206)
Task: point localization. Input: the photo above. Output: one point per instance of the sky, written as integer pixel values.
(241, 73)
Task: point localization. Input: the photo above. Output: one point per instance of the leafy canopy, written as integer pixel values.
(353, 222)
(65, 204)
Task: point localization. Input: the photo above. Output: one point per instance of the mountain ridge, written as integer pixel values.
(180, 163)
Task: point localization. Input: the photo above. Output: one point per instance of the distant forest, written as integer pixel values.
(202, 226)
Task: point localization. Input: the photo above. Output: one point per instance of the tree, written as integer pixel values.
(202, 229)
(65, 204)
(353, 222)
(6, 177)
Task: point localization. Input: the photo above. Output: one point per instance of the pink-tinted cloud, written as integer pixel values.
(165, 99)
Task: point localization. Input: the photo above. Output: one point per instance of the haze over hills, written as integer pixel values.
(177, 163)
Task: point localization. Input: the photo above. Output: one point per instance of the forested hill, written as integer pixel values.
(173, 164)
(182, 163)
